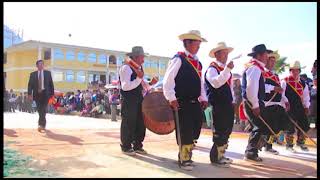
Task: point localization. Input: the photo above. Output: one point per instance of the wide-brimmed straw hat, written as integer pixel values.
(137, 51)
(261, 48)
(296, 65)
(274, 54)
(220, 46)
(193, 35)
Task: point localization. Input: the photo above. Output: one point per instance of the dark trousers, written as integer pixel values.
(223, 117)
(132, 129)
(259, 132)
(299, 116)
(42, 103)
(277, 119)
(190, 121)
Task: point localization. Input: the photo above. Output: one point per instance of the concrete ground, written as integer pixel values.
(76, 146)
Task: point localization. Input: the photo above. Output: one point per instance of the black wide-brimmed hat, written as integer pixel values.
(261, 48)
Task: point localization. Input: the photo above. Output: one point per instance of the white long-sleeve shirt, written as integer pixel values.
(268, 89)
(305, 96)
(125, 78)
(169, 82)
(217, 80)
(252, 76)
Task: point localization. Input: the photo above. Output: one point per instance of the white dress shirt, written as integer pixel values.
(252, 76)
(268, 89)
(217, 80)
(42, 80)
(171, 73)
(125, 78)
(305, 96)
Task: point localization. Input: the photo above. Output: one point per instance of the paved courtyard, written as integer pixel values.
(87, 147)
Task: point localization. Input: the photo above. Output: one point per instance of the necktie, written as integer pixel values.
(40, 82)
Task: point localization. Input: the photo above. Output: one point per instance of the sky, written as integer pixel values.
(289, 27)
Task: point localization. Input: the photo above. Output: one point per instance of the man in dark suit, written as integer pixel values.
(40, 88)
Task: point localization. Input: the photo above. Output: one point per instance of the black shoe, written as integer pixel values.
(129, 152)
(303, 147)
(185, 165)
(254, 158)
(221, 163)
(271, 151)
(141, 151)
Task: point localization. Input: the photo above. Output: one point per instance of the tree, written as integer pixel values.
(280, 65)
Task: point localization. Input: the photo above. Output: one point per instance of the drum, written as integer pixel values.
(157, 113)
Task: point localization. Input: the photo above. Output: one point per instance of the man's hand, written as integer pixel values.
(230, 65)
(153, 81)
(256, 111)
(30, 97)
(204, 104)
(278, 89)
(139, 73)
(174, 104)
(287, 106)
(306, 110)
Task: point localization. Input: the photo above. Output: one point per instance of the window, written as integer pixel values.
(47, 54)
(4, 58)
(162, 65)
(70, 56)
(69, 76)
(102, 59)
(81, 56)
(81, 77)
(120, 60)
(58, 54)
(92, 58)
(154, 65)
(146, 64)
(57, 76)
(90, 78)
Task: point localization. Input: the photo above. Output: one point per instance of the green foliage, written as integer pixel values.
(280, 65)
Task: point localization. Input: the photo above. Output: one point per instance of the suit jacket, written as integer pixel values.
(47, 82)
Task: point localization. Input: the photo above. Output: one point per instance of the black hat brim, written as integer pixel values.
(253, 53)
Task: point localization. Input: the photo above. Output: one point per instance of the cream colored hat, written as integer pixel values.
(274, 54)
(296, 65)
(194, 35)
(220, 46)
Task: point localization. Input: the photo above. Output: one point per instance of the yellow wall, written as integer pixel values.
(18, 79)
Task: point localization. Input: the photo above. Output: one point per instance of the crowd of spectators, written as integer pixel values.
(89, 103)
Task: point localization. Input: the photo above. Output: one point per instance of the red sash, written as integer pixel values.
(254, 62)
(295, 85)
(194, 63)
(273, 77)
(219, 68)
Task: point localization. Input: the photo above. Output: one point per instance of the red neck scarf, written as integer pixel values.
(295, 85)
(219, 68)
(194, 63)
(256, 63)
(273, 77)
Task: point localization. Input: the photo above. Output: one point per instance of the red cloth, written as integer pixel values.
(296, 85)
(273, 77)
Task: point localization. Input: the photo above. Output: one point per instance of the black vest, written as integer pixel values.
(293, 98)
(278, 97)
(188, 83)
(261, 91)
(221, 95)
(135, 93)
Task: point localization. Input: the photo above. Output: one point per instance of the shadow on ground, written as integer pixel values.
(63, 137)
(270, 167)
(10, 132)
